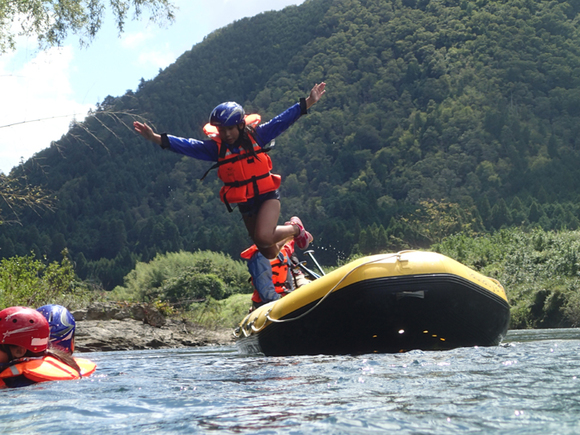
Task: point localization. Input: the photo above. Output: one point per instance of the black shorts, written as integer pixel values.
(251, 207)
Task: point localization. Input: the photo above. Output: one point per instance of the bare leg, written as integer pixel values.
(264, 231)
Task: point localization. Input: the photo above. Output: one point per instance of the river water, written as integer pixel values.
(529, 384)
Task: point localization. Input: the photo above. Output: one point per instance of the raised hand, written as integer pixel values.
(315, 94)
(147, 132)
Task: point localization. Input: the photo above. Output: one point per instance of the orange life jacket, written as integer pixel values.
(245, 175)
(41, 369)
(87, 366)
(279, 268)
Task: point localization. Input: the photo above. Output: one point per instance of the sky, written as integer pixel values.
(44, 91)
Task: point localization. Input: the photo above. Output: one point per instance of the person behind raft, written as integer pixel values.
(237, 143)
(62, 334)
(271, 283)
(25, 355)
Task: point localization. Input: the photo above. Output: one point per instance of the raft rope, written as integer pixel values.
(398, 255)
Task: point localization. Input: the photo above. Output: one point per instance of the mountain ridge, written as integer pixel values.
(440, 116)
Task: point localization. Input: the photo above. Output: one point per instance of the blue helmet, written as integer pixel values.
(62, 326)
(227, 115)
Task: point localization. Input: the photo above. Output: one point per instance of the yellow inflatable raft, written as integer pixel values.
(383, 303)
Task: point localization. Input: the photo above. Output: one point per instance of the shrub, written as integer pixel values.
(225, 313)
(32, 282)
(183, 277)
(191, 286)
(539, 270)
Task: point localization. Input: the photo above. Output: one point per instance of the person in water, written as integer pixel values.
(62, 334)
(237, 143)
(271, 283)
(25, 355)
(62, 326)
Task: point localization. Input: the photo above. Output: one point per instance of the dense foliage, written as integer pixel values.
(225, 313)
(539, 270)
(27, 281)
(184, 278)
(440, 116)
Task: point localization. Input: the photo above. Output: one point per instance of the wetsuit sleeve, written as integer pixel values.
(198, 149)
(278, 125)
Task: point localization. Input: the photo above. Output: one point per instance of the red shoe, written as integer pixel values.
(304, 238)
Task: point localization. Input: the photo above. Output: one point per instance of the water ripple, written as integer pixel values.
(523, 386)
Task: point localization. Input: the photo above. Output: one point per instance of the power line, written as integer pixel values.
(37, 120)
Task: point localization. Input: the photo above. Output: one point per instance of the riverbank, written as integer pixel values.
(113, 327)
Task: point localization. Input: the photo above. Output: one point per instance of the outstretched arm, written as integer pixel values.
(147, 132)
(315, 94)
(198, 149)
(279, 124)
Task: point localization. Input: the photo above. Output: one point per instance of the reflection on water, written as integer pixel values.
(529, 384)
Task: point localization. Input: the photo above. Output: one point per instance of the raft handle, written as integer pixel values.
(263, 325)
(398, 255)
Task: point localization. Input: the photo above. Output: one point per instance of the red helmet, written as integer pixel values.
(24, 327)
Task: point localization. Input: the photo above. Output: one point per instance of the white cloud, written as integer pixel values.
(134, 40)
(37, 89)
(158, 59)
(58, 82)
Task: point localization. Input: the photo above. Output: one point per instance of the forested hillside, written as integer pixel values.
(439, 117)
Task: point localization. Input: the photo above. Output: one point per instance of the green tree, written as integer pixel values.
(51, 21)
(182, 277)
(500, 215)
(536, 212)
(464, 102)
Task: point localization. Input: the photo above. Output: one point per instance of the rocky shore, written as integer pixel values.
(109, 327)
